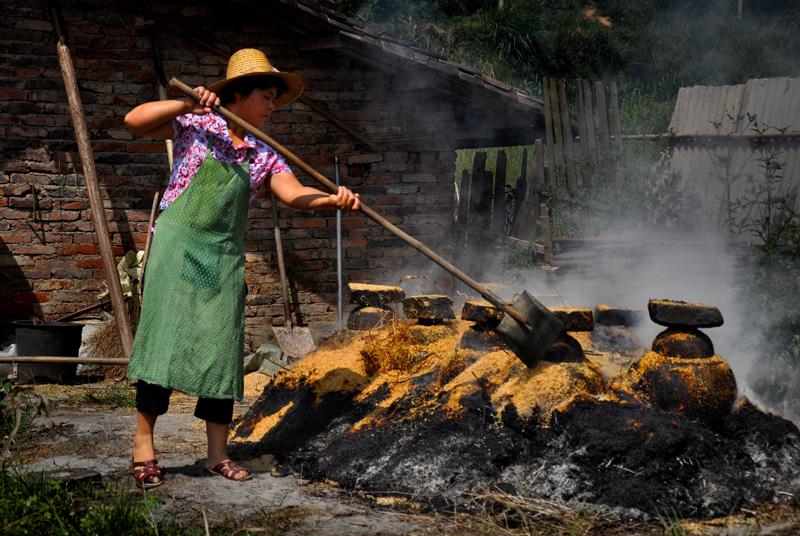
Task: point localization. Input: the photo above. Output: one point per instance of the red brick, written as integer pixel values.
(305, 223)
(94, 262)
(15, 238)
(34, 249)
(78, 249)
(353, 221)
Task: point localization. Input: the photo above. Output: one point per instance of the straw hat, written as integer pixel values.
(253, 62)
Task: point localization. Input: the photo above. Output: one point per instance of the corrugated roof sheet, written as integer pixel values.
(726, 115)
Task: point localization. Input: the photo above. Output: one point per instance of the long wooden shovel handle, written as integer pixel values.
(371, 214)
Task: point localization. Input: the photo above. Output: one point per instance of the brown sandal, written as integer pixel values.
(144, 473)
(230, 469)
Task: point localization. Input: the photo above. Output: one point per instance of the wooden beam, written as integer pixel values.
(324, 42)
(569, 151)
(92, 187)
(499, 193)
(558, 132)
(62, 360)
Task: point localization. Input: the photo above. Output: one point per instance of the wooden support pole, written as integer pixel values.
(616, 123)
(463, 198)
(480, 196)
(521, 218)
(588, 110)
(161, 81)
(550, 159)
(92, 186)
(62, 360)
(536, 189)
(582, 149)
(569, 150)
(602, 115)
(558, 132)
(499, 193)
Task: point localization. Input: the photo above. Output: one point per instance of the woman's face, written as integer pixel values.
(257, 107)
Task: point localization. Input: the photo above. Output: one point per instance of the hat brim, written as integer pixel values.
(294, 85)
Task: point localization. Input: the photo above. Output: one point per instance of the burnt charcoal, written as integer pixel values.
(634, 457)
(574, 319)
(369, 317)
(625, 449)
(674, 313)
(683, 342)
(618, 339)
(375, 295)
(608, 315)
(702, 388)
(566, 349)
(480, 340)
(482, 312)
(435, 307)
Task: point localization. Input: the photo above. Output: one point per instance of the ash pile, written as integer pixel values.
(437, 409)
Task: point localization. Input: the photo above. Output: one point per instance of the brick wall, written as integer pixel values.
(49, 263)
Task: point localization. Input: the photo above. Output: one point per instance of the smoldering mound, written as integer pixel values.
(444, 422)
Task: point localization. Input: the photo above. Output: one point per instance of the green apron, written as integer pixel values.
(190, 335)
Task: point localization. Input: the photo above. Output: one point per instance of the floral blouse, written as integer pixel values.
(194, 135)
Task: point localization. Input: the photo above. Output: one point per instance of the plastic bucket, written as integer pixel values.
(49, 339)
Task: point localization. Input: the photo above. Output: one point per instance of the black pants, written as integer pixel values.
(154, 400)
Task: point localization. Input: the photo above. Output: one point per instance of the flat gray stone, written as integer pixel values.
(375, 295)
(482, 312)
(609, 315)
(431, 307)
(369, 318)
(574, 318)
(674, 313)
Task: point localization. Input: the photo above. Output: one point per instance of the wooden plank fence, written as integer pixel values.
(581, 150)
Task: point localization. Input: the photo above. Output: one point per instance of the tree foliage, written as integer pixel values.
(656, 44)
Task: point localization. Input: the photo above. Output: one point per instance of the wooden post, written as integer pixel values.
(588, 110)
(92, 187)
(521, 218)
(602, 126)
(535, 197)
(499, 194)
(569, 151)
(550, 158)
(480, 193)
(582, 146)
(602, 114)
(616, 124)
(161, 81)
(559, 134)
(463, 198)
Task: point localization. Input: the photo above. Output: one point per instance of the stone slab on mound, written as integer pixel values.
(674, 313)
(375, 295)
(430, 307)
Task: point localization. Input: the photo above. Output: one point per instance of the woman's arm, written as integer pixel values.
(154, 119)
(288, 189)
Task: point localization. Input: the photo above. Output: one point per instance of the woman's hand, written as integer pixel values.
(203, 106)
(345, 199)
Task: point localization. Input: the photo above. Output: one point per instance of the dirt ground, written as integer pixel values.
(87, 436)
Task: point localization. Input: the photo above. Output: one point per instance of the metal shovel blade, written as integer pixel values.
(294, 341)
(532, 341)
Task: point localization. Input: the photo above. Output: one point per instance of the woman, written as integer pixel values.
(190, 335)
